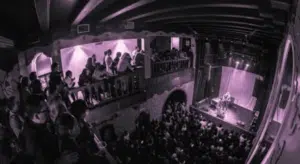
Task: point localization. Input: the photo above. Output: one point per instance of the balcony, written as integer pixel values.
(169, 66)
(109, 90)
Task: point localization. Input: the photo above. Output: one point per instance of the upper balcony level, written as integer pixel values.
(105, 71)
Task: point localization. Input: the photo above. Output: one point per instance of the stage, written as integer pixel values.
(236, 117)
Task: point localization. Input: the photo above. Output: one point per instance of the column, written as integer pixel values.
(55, 54)
(200, 74)
(22, 64)
(194, 50)
(147, 58)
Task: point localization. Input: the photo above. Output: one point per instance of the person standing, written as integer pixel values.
(136, 51)
(108, 62)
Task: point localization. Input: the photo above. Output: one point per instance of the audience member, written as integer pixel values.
(108, 62)
(136, 51)
(55, 77)
(115, 63)
(124, 63)
(35, 85)
(180, 136)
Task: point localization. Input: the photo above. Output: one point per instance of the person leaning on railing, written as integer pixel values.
(70, 82)
(100, 74)
(124, 63)
(85, 79)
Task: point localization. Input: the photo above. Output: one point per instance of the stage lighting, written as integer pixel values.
(77, 47)
(247, 65)
(237, 62)
(120, 41)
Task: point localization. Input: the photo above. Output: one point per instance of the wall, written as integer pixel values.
(155, 103)
(127, 115)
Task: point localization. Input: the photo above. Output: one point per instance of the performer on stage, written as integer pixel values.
(226, 100)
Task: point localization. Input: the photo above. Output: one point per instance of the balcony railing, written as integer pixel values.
(169, 66)
(110, 89)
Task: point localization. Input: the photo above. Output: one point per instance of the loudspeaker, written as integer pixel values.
(284, 98)
(257, 88)
(216, 74)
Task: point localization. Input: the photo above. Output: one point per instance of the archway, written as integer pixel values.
(177, 95)
(41, 64)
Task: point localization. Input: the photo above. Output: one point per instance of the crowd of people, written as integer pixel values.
(42, 131)
(181, 137)
(171, 55)
(45, 126)
(106, 72)
(163, 62)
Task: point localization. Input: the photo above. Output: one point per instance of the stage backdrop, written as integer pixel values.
(240, 85)
(75, 58)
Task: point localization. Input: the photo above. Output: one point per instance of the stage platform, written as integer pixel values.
(232, 117)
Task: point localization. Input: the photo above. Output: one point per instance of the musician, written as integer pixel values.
(225, 101)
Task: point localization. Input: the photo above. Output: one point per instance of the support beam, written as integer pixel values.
(42, 8)
(209, 21)
(127, 9)
(180, 8)
(86, 10)
(203, 15)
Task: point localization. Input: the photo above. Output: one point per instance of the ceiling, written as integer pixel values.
(252, 21)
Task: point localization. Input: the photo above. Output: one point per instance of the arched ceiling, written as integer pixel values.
(253, 21)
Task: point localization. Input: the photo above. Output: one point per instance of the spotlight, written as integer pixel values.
(237, 62)
(120, 41)
(77, 47)
(247, 65)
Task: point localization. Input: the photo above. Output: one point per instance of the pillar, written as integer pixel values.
(200, 74)
(194, 50)
(147, 58)
(55, 53)
(22, 64)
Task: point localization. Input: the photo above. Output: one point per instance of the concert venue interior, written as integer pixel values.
(149, 82)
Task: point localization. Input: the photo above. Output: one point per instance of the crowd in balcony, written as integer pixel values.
(106, 72)
(174, 54)
(170, 61)
(181, 137)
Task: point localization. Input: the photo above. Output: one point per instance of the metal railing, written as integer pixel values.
(109, 89)
(169, 66)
